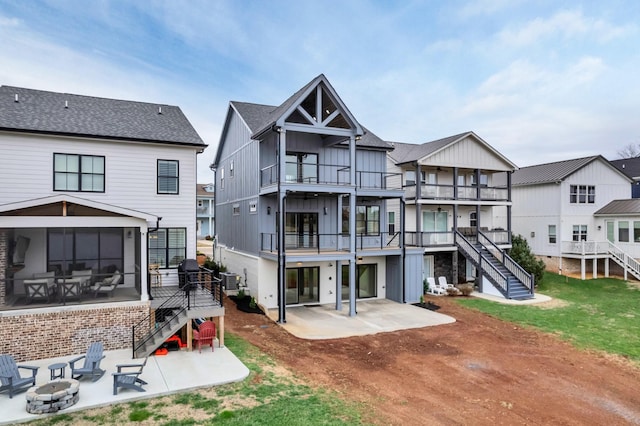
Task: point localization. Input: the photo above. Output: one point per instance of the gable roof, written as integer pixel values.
(260, 118)
(202, 192)
(555, 172)
(406, 153)
(6, 209)
(38, 111)
(629, 206)
(628, 166)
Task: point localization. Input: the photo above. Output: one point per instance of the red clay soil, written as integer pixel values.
(479, 371)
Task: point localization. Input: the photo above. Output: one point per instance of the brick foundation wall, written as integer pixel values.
(38, 335)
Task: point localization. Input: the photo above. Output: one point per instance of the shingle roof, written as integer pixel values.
(405, 152)
(550, 172)
(620, 207)
(259, 117)
(40, 111)
(628, 166)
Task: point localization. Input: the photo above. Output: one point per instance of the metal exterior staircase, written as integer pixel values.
(497, 266)
(200, 298)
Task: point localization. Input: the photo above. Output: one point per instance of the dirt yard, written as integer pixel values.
(479, 371)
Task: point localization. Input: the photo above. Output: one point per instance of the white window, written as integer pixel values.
(579, 232)
(236, 209)
(231, 169)
(222, 178)
(582, 194)
(253, 207)
(623, 231)
(552, 234)
(168, 177)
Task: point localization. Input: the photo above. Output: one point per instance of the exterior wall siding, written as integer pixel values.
(61, 332)
(468, 154)
(240, 190)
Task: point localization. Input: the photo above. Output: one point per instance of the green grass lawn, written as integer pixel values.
(269, 396)
(601, 314)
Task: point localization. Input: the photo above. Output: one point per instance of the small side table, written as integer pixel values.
(57, 370)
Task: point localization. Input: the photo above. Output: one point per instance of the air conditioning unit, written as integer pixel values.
(230, 280)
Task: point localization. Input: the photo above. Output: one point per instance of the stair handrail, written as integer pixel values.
(486, 267)
(625, 258)
(180, 301)
(466, 246)
(512, 266)
(176, 301)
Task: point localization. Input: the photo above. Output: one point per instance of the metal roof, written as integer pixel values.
(629, 206)
(550, 172)
(38, 111)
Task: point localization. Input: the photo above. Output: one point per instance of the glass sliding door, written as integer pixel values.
(435, 222)
(302, 285)
(301, 230)
(366, 281)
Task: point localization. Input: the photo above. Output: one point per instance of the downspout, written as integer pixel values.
(403, 252)
(213, 168)
(280, 218)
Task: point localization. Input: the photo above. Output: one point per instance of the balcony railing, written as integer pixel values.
(446, 192)
(329, 242)
(323, 174)
(378, 180)
(585, 247)
(428, 239)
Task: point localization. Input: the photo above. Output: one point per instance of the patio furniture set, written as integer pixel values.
(46, 286)
(60, 392)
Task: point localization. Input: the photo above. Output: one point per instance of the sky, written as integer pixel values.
(540, 81)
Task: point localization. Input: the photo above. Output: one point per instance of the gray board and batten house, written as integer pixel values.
(302, 204)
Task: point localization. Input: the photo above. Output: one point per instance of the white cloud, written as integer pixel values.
(567, 24)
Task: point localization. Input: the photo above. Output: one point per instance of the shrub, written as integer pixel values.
(521, 253)
(466, 289)
(240, 294)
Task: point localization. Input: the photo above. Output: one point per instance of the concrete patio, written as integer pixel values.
(373, 316)
(178, 371)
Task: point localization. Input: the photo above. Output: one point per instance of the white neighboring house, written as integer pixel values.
(95, 185)
(458, 205)
(205, 210)
(577, 215)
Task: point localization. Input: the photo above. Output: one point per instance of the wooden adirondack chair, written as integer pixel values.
(10, 375)
(206, 333)
(129, 379)
(91, 366)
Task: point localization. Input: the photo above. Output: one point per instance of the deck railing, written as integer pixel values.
(199, 290)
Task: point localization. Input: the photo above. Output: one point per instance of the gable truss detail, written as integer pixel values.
(318, 109)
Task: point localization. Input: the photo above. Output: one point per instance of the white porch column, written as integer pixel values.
(583, 268)
(144, 263)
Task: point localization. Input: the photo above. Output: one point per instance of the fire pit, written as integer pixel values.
(56, 395)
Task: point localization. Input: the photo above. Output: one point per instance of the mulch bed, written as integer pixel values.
(427, 305)
(244, 304)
